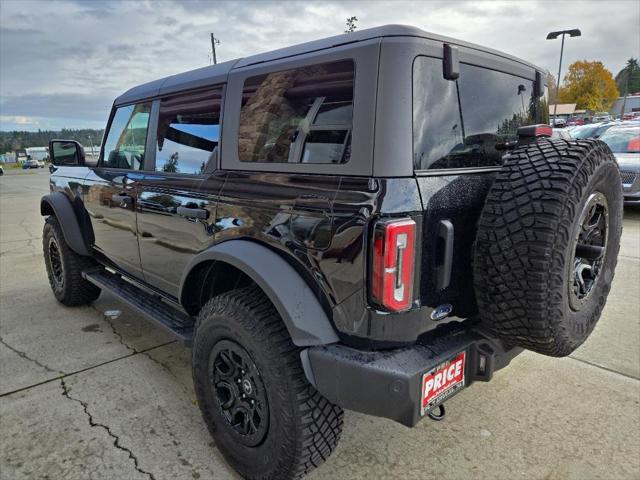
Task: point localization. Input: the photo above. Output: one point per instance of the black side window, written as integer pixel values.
(466, 123)
(302, 115)
(188, 131)
(124, 146)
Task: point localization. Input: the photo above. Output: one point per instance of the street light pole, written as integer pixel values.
(555, 105)
(552, 36)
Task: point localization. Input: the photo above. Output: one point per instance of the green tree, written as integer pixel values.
(171, 165)
(552, 85)
(589, 85)
(13, 140)
(628, 79)
(351, 24)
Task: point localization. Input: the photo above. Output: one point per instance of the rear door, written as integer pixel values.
(295, 128)
(176, 209)
(111, 189)
(462, 129)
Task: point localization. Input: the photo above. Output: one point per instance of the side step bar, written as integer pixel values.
(160, 313)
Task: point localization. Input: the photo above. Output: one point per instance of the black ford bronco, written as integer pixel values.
(372, 221)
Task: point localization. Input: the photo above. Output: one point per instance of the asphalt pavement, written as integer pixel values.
(86, 394)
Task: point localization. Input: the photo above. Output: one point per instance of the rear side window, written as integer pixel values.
(466, 123)
(188, 131)
(302, 115)
(125, 143)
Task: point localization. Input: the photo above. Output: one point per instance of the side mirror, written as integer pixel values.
(66, 153)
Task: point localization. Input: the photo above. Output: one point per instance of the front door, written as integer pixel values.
(177, 202)
(111, 189)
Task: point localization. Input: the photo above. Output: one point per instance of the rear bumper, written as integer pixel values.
(388, 383)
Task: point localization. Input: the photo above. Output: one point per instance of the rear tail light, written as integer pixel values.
(532, 131)
(392, 264)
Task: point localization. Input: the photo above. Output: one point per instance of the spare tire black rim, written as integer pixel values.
(55, 260)
(239, 392)
(590, 245)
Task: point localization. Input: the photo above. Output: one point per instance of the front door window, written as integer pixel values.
(125, 144)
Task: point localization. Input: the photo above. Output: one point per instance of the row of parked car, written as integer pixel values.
(599, 117)
(623, 138)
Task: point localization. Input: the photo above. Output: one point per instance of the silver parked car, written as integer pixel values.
(624, 142)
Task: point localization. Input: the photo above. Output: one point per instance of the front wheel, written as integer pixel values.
(65, 267)
(266, 419)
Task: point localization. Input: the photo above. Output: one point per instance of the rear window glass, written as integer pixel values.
(302, 115)
(188, 131)
(466, 123)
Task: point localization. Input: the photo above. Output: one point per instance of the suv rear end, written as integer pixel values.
(446, 141)
(436, 152)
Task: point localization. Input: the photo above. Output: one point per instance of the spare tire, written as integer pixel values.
(547, 244)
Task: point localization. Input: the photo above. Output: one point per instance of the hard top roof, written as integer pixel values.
(215, 74)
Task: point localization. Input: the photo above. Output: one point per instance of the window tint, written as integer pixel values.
(188, 131)
(125, 143)
(303, 115)
(466, 123)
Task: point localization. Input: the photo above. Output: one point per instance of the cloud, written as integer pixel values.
(70, 105)
(18, 120)
(68, 59)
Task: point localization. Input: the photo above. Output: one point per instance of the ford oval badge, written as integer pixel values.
(441, 311)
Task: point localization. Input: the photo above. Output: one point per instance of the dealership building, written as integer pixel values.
(632, 104)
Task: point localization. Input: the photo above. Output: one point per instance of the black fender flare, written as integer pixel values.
(296, 303)
(58, 204)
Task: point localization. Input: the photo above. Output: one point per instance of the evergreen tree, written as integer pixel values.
(628, 79)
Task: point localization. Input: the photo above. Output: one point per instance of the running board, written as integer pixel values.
(152, 307)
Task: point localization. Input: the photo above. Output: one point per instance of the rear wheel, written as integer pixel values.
(266, 419)
(547, 244)
(65, 267)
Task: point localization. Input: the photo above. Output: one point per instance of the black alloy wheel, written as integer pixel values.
(239, 392)
(590, 248)
(57, 268)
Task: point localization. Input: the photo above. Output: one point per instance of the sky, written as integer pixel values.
(62, 63)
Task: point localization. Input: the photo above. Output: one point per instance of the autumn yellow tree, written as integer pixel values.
(589, 85)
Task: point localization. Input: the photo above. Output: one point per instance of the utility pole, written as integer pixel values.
(214, 42)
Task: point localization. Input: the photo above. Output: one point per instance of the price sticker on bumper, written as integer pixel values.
(442, 382)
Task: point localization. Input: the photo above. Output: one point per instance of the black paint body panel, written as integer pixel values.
(317, 217)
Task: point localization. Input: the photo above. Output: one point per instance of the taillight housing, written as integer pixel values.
(392, 264)
(533, 131)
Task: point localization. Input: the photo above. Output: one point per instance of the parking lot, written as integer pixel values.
(86, 395)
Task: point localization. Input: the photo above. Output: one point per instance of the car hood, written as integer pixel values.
(628, 161)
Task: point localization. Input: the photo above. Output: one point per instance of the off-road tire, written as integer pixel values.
(73, 290)
(526, 239)
(304, 427)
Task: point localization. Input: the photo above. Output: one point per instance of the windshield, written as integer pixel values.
(623, 140)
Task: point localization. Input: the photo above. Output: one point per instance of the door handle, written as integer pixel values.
(444, 254)
(121, 198)
(192, 212)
